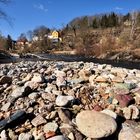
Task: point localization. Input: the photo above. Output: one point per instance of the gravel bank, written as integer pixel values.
(68, 100)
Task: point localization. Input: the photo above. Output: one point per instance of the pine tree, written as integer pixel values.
(95, 23)
(104, 21)
(112, 20)
(9, 43)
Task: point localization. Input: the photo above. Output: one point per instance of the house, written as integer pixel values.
(55, 36)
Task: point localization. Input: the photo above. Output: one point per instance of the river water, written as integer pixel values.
(74, 58)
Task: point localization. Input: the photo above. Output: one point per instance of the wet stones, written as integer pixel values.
(95, 125)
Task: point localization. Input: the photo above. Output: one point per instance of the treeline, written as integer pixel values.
(104, 20)
(37, 39)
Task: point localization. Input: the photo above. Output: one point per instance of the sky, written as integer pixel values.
(27, 15)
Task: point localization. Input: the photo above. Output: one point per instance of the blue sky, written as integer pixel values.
(28, 14)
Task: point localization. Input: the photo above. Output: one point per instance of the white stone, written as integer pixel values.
(95, 124)
(110, 113)
(25, 136)
(37, 78)
(63, 100)
(51, 126)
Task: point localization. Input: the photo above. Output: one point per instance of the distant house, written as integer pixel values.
(55, 36)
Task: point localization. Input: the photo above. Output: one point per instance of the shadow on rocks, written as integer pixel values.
(16, 119)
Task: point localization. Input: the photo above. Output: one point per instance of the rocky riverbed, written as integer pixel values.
(68, 101)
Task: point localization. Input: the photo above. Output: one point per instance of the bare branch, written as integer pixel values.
(3, 14)
(5, 1)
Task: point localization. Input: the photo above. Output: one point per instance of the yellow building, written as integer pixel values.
(55, 34)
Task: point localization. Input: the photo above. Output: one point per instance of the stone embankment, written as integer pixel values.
(68, 101)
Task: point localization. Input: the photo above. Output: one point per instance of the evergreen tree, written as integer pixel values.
(84, 22)
(104, 21)
(9, 43)
(95, 23)
(114, 20)
(126, 17)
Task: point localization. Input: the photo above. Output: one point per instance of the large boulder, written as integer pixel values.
(95, 124)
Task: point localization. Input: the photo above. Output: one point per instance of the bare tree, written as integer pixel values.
(3, 14)
(134, 16)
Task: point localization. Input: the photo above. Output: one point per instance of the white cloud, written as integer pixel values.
(118, 8)
(40, 7)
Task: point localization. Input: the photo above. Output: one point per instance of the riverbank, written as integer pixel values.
(115, 59)
(69, 100)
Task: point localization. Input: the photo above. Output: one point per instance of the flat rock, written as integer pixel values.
(64, 115)
(63, 100)
(33, 95)
(95, 124)
(61, 76)
(101, 79)
(124, 100)
(25, 136)
(20, 91)
(51, 126)
(57, 138)
(6, 106)
(38, 78)
(38, 121)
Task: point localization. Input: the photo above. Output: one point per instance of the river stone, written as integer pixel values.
(110, 113)
(61, 76)
(63, 100)
(117, 79)
(124, 100)
(28, 77)
(101, 79)
(38, 121)
(129, 132)
(21, 91)
(131, 112)
(84, 74)
(95, 124)
(6, 106)
(3, 135)
(25, 136)
(57, 138)
(33, 95)
(38, 78)
(51, 126)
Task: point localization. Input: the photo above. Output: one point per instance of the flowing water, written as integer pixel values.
(73, 58)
